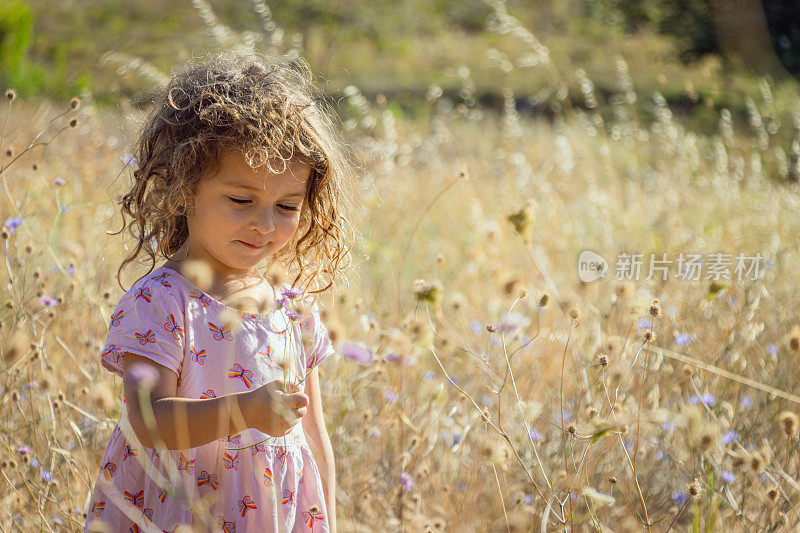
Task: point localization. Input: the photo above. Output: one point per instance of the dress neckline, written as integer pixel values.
(219, 303)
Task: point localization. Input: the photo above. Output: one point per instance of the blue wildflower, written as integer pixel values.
(728, 477)
(729, 436)
(745, 401)
(683, 339)
(406, 481)
(644, 323)
(535, 435)
(390, 396)
(667, 426)
(12, 223)
(477, 329)
(679, 497)
(772, 349)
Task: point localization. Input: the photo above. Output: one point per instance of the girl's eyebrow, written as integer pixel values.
(298, 194)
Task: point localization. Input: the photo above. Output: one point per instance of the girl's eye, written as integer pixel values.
(240, 201)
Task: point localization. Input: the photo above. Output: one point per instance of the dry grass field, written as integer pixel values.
(479, 384)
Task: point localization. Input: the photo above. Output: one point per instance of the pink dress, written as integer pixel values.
(271, 486)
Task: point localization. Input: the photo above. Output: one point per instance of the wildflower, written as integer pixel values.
(491, 328)
(374, 433)
(70, 269)
(535, 435)
(727, 477)
(679, 497)
(476, 326)
(429, 375)
(292, 293)
(682, 339)
(789, 423)
(667, 426)
(143, 375)
(357, 352)
(728, 437)
(644, 323)
(660, 455)
(48, 301)
(59, 181)
(613, 480)
(523, 219)
(12, 223)
(707, 399)
(23, 450)
(772, 349)
(745, 401)
(406, 481)
(30, 385)
(130, 160)
(390, 396)
(513, 322)
(695, 489)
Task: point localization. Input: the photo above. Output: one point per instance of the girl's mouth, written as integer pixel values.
(251, 246)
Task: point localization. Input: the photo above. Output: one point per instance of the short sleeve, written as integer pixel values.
(321, 344)
(149, 320)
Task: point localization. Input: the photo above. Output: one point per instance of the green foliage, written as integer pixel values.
(16, 27)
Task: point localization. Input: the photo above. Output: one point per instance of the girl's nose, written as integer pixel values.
(264, 222)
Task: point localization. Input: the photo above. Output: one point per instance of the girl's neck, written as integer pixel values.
(229, 287)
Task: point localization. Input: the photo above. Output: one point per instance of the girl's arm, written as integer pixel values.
(320, 444)
(183, 423)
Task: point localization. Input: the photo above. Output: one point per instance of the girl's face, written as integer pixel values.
(239, 216)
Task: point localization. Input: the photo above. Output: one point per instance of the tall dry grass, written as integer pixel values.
(502, 393)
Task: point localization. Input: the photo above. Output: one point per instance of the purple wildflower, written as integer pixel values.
(390, 396)
(57, 521)
(292, 293)
(660, 455)
(772, 349)
(679, 497)
(30, 385)
(48, 301)
(745, 401)
(70, 269)
(644, 323)
(143, 375)
(430, 375)
(683, 339)
(527, 498)
(357, 352)
(477, 329)
(392, 357)
(729, 436)
(130, 160)
(728, 477)
(59, 181)
(667, 426)
(293, 315)
(374, 432)
(34, 462)
(12, 223)
(456, 438)
(535, 435)
(24, 449)
(453, 379)
(709, 399)
(513, 322)
(406, 481)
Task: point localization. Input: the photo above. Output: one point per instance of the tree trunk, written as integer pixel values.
(743, 37)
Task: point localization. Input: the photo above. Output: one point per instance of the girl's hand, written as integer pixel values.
(275, 412)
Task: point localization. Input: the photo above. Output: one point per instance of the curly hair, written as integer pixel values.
(271, 112)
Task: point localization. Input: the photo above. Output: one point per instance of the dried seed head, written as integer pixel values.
(75, 103)
(773, 494)
(491, 328)
(794, 338)
(73, 122)
(591, 413)
(543, 299)
(11, 95)
(756, 462)
(512, 287)
(649, 335)
(655, 308)
(695, 489)
(612, 480)
(572, 429)
(522, 220)
(575, 314)
(428, 292)
(789, 423)
(603, 360)
(687, 370)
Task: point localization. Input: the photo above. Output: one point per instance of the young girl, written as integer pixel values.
(222, 428)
